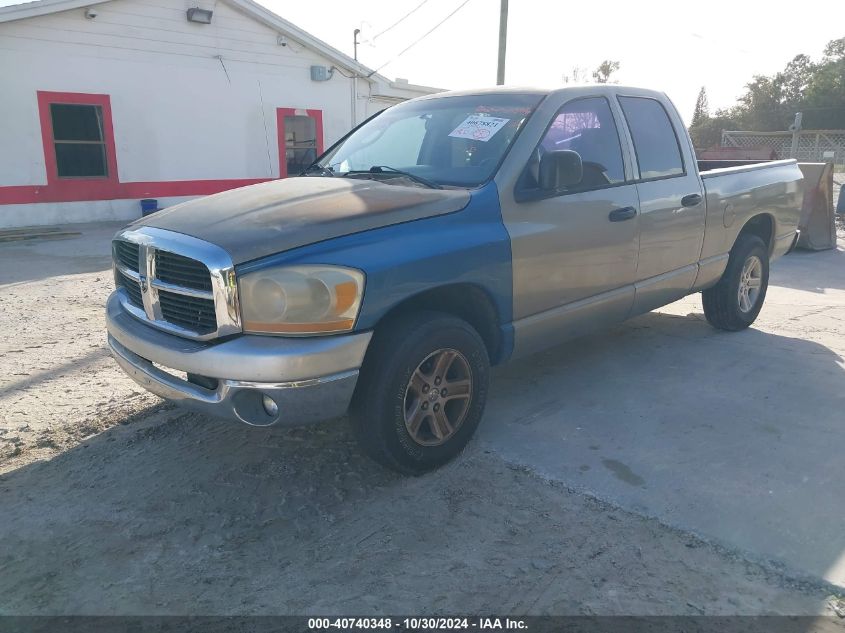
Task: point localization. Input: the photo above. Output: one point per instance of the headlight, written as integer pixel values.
(301, 299)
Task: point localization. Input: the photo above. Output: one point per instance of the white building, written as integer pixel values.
(107, 102)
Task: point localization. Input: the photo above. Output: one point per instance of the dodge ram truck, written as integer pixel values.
(444, 235)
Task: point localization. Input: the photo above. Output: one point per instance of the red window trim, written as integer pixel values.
(78, 188)
(281, 113)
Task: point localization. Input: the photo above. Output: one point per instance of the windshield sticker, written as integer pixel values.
(479, 128)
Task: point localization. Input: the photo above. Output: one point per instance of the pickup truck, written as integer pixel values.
(444, 235)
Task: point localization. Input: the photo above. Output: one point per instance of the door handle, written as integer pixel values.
(691, 200)
(620, 215)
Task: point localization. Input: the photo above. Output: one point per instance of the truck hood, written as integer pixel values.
(276, 216)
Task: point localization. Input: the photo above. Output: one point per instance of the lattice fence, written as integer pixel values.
(813, 145)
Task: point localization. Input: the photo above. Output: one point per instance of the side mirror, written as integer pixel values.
(560, 168)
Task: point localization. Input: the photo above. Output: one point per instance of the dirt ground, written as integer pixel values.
(58, 384)
(114, 503)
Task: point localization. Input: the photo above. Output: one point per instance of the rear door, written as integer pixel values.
(671, 199)
(574, 250)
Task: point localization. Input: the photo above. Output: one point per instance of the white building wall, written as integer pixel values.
(189, 101)
(44, 214)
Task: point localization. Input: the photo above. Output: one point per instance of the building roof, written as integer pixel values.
(250, 8)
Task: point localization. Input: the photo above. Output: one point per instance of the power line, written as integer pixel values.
(399, 21)
(415, 42)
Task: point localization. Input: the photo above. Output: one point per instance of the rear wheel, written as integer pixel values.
(421, 392)
(734, 303)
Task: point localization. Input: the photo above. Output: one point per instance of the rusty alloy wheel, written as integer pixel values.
(437, 397)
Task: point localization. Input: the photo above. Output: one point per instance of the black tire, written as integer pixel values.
(722, 302)
(396, 352)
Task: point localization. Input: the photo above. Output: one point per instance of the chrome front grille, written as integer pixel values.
(126, 254)
(182, 271)
(176, 283)
(188, 312)
(132, 288)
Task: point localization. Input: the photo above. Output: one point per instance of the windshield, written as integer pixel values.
(452, 141)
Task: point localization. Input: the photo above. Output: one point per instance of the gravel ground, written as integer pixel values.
(58, 383)
(114, 503)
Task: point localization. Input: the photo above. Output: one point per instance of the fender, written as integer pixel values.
(403, 260)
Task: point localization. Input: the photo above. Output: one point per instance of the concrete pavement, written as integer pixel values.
(737, 437)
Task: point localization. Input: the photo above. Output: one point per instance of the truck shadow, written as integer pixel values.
(735, 436)
(158, 516)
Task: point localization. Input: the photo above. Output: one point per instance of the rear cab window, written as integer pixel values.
(656, 144)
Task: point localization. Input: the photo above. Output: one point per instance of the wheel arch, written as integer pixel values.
(763, 226)
(468, 301)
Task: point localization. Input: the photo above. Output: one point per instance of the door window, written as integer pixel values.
(585, 126)
(655, 142)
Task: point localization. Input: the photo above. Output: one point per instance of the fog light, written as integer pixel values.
(270, 406)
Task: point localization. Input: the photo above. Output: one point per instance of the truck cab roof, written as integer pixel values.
(593, 89)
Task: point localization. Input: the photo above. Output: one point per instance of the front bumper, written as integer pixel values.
(309, 379)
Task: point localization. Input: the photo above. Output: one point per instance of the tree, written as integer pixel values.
(702, 110)
(793, 81)
(835, 50)
(577, 75)
(604, 71)
(708, 133)
(705, 130)
(761, 108)
(816, 89)
(824, 97)
(770, 102)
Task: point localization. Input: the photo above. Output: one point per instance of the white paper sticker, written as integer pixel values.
(479, 128)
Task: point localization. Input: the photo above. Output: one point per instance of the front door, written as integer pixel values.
(574, 252)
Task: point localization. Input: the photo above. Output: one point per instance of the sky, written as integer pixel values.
(673, 46)
(677, 47)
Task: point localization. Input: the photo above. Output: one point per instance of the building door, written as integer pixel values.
(300, 139)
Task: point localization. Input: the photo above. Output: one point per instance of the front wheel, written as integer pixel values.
(734, 303)
(421, 391)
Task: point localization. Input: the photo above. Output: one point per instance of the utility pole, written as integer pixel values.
(503, 42)
(355, 78)
(355, 43)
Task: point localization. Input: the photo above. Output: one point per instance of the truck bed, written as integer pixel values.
(817, 221)
(736, 191)
(707, 166)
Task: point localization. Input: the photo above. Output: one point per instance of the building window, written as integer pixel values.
(78, 140)
(300, 139)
